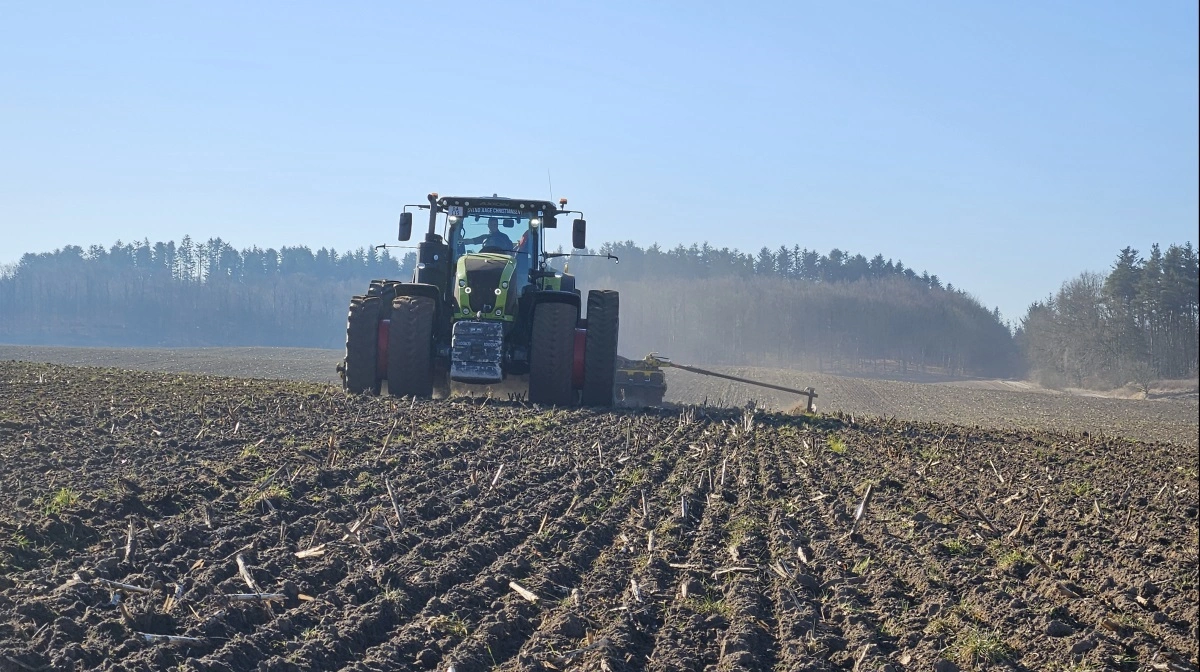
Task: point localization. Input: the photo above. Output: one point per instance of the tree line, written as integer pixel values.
(190, 294)
(704, 261)
(788, 307)
(1135, 324)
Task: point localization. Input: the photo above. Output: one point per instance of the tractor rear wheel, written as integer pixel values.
(552, 354)
(410, 347)
(362, 341)
(600, 349)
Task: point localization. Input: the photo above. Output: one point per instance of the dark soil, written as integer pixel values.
(664, 540)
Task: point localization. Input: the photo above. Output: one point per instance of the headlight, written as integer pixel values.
(497, 291)
(466, 310)
(499, 312)
(504, 285)
(467, 290)
(462, 283)
(535, 221)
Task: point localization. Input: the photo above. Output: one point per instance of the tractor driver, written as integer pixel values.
(494, 240)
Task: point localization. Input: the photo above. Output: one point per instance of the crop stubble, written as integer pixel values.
(523, 538)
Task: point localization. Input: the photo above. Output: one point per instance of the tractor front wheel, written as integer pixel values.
(552, 354)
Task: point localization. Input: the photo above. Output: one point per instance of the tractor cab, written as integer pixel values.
(494, 226)
(491, 237)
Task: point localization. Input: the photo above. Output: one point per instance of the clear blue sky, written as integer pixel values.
(1004, 146)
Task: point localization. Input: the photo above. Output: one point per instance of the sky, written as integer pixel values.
(1005, 147)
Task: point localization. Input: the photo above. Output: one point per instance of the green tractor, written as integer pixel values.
(484, 306)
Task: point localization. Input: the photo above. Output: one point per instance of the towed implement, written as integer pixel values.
(484, 306)
(643, 383)
(640, 382)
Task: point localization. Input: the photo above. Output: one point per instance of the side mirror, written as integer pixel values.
(549, 222)
(405, 225)
(579, 234)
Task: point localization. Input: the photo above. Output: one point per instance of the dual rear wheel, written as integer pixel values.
(409, 367)
(552, 352)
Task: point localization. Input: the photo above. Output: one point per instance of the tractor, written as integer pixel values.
(484, 306)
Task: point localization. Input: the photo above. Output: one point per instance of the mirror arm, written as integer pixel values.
(553, 255)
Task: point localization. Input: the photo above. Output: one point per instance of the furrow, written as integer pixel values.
(504, 623)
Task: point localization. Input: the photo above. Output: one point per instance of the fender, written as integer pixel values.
(555, 296)
(418, 289)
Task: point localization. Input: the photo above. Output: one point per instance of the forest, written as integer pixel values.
(190, 294)
(789, 307)
(1136, 324)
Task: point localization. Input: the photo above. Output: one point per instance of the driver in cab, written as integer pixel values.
(494, 240)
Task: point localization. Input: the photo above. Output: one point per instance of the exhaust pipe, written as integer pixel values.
(432, 214)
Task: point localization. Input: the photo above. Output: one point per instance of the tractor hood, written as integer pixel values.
(483, 286)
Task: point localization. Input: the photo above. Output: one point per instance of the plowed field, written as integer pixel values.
(287, 526)
(1172, 420)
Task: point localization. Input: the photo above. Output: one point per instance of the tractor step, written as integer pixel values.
(475, 351)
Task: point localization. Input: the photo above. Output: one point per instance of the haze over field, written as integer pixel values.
(1003, 147)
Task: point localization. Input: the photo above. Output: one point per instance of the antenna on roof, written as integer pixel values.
(551, 183)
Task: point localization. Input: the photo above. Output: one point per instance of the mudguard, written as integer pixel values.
(554, 296)
(418, 289)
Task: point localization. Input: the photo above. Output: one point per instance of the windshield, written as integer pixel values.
(499, 230)
(487, 233)
(507, 233)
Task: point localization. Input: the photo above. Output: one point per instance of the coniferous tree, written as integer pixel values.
(1134, 325)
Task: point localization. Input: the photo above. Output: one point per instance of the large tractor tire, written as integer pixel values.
(410, 347)
(362, 345)
(600, 349)
(386, 291)
(552, 354)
